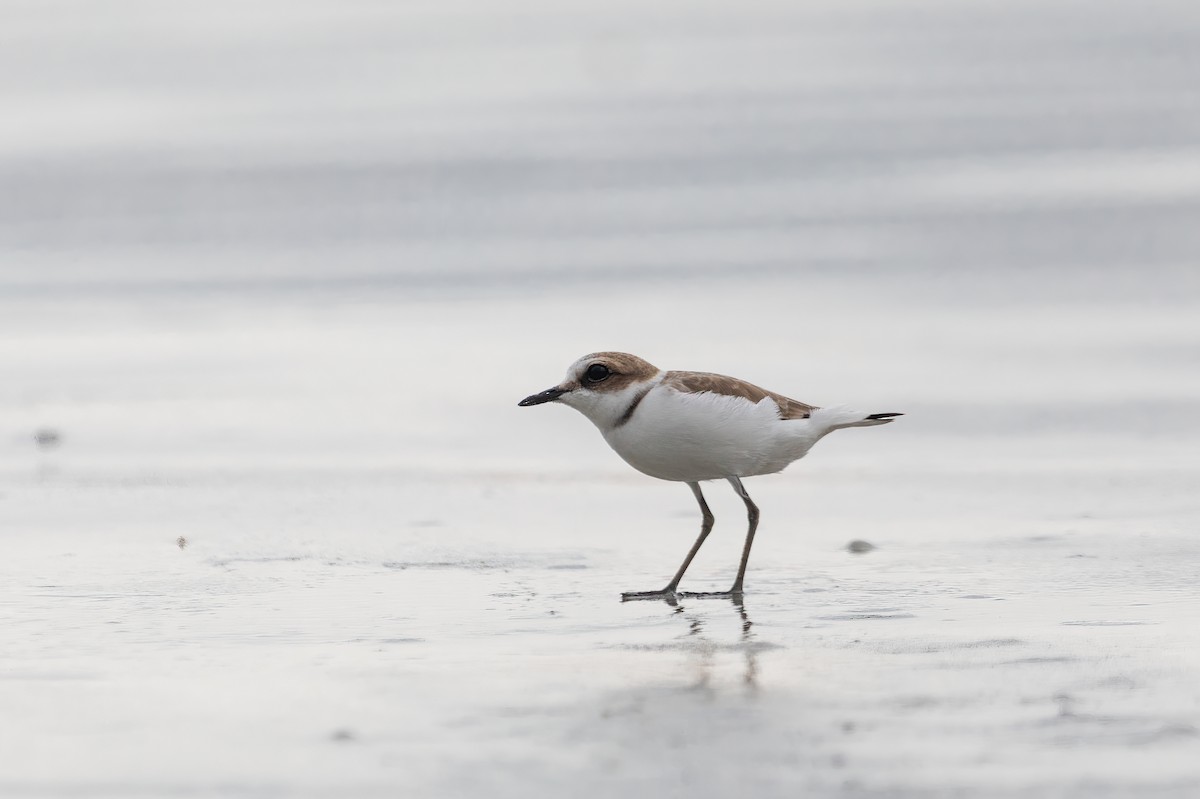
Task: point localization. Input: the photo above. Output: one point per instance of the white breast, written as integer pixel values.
(677, 435)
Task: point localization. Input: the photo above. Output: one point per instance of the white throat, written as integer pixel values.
(610, 409)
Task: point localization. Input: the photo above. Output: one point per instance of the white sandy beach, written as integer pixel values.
(283, 310)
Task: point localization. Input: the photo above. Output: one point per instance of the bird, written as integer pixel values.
(693, 427)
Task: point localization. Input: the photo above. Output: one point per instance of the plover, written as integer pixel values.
(694, 426)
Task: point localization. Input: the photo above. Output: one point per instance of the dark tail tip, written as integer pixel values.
(875, 416)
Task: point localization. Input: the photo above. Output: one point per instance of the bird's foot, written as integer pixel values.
(732, 593)
(667, 595)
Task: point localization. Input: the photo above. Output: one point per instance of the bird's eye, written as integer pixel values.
(597, 372)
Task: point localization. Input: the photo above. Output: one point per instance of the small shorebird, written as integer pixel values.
(695, 426)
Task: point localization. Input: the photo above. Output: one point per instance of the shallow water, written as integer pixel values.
(294, 537)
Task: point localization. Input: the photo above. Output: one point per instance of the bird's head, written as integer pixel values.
(600, 386)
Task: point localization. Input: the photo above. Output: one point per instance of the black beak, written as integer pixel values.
(549, 395)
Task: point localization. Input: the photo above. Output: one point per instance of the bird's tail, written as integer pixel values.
(823, 421)
(878, 418)
(830, 419)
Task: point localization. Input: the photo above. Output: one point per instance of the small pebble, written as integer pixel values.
(858, 546)
(47, 438)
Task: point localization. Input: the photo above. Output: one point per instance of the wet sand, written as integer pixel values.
(381, 603)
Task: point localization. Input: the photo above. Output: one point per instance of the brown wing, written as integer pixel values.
(700, 382)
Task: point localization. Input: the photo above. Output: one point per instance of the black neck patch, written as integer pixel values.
(633, 405)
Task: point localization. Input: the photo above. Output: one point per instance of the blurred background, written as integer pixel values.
(308, 231)
(273, 277)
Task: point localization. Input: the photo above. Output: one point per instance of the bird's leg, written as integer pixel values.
(706, 526)
(752, 515)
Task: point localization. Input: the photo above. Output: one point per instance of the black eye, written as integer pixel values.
(597, 372)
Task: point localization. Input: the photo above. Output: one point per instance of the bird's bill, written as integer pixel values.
(549, 395)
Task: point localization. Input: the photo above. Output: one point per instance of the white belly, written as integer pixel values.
(691, 437)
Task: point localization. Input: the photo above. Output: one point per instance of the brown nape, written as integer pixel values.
(701, 382)
(626, 370)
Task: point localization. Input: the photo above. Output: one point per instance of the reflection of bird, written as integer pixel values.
(746, 644)
(751, 675)
(694, 426)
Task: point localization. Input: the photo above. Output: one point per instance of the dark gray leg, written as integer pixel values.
(706, 526)
(752, 516)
